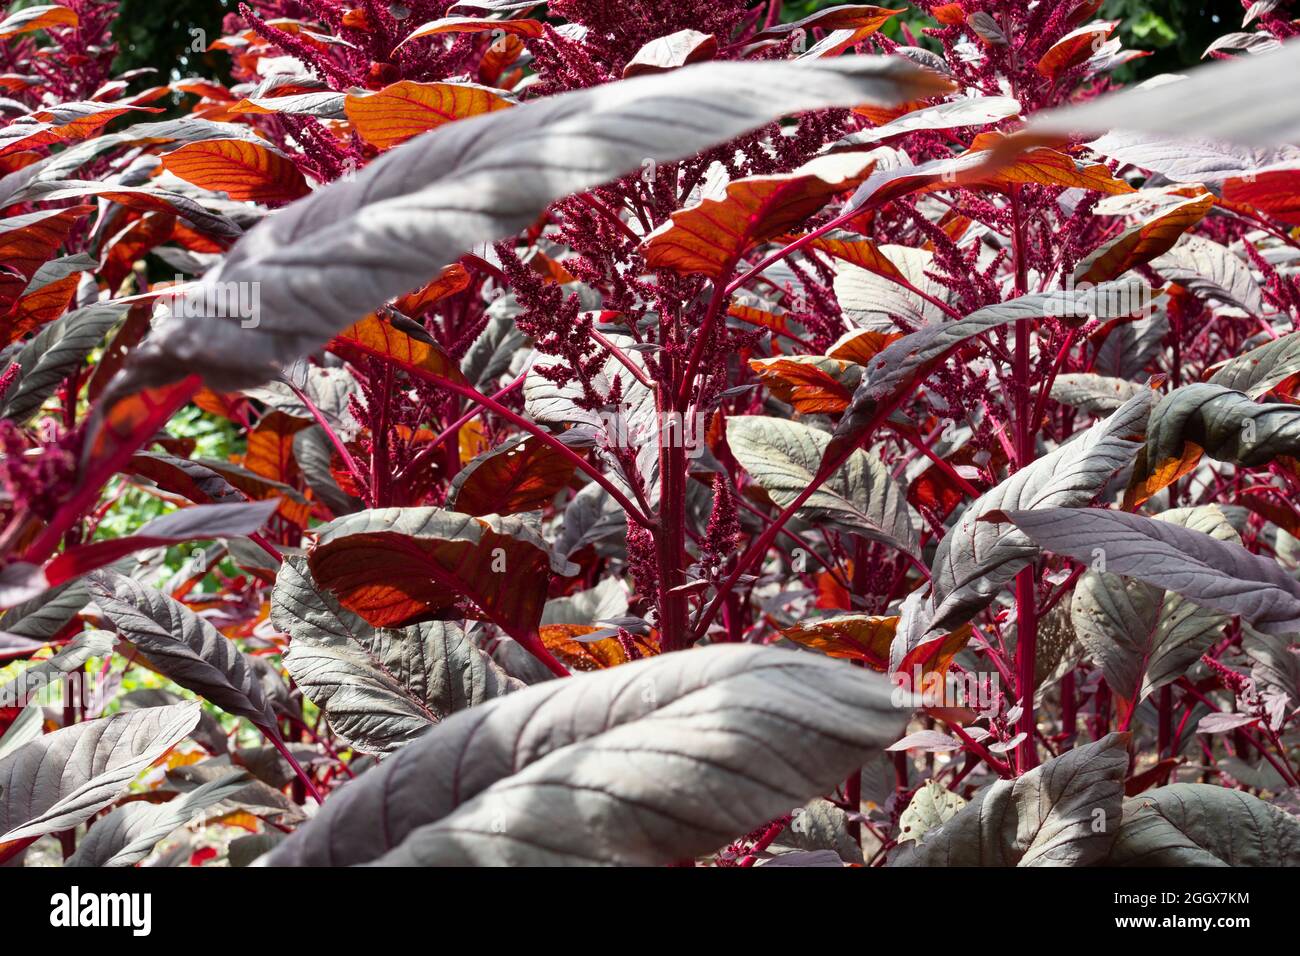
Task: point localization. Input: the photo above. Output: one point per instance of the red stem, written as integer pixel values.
(349, 462)
(1026, 583)
(429, 450)
(10, 850)
(773, 831)
(270, 734)
(759, 547)
(474, 395)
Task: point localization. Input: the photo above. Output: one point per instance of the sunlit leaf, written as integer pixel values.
(406, 109)
(238, 168)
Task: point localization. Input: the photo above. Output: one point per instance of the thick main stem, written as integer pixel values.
(1026, 583)
(671, 541)
(1165, 733)
(670, 545)
(1026, 663)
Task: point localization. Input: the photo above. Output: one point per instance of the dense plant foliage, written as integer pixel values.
(649, 433)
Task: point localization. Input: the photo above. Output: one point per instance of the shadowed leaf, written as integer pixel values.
(65, 777)
(635, 755)
(1190, 824)
(183, 646)
(1063, 813)
(379, 688)
(1216, 574)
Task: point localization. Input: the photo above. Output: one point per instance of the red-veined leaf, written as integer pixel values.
(813, 384)
(523, 474)
(242, 170)
(373, 336)
(1074, 48)
(402, 565)
(708, 238)
(406, 109)
(528, 29)
(858, 637)
(1140, 244)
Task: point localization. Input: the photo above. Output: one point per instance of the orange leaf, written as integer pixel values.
(1048, 167)
(950, 14)
(1074, 48)
(1142, 243)
(761, 317)
(880, 115)
(270, 447)
(1275, 192)
(524, 474)
(27, 242)
(357, 19)
(374, 337)
(862, 345)
(1045, 167)
(858, 637)
(393, 579)
(241, 819)
(863, 20)
(37, 18)
(60, 125)
(245, 171)
(811, 383)
(1146, 483)
(498, 57)
(44, 305)
(120, 428)
(935, 490)
(472, 440)
(831, 596)
(293, 505)
(174, 758)
(562, 641)
(530, 29)
(130, 244)
(709, 237)
(12, 162)
(223, 406)
(552, 270)
(406, 109)
(932, 657)
(859, 252)
(204, 89)
(453, 279)
(954, 226)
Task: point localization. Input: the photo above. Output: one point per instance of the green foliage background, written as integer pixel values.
(156, 33)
